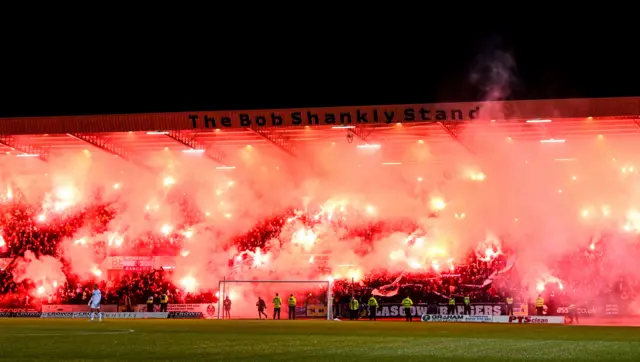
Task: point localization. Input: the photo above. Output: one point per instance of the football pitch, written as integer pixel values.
(206, 340)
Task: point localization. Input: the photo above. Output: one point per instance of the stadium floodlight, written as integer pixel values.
(552, 140)
(28, 155)
(342, 127)
(222, 286)
(226, 168)
(193, 151)
(368, 146)
(539, 121)
(391, 163)
(565, 159)
(158, 132)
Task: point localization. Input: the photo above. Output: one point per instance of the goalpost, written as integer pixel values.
(223, 283)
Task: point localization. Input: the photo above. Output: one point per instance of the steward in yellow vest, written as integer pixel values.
(164, 301)
(539, 305)
(292, 307)
(354, 307)
(467, 305)
(150, 304)
(373, 308)
(451, 308)
(407, 303)
(277, 302)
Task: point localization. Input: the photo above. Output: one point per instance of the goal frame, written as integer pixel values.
(223, 283)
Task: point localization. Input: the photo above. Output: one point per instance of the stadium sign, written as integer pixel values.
(396, 311)
(337, 116)
(87, 315)
(131, 263)
(62, 315)
(207, 310)
(581, 310)
(17, 310)
(184, 315)
(442, 318)
(456, 318)
(70, 308)
(478, 318)
(318, 117)
(20, 314)
(528, 319)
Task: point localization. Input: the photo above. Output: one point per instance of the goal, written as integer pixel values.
(300, 289)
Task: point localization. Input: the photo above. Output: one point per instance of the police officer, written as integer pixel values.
(150, 304)
(277, 302)
(373, 308)
(467, 305)
(539, 305)
(509, 306)
(164, 300)
(451, 308)
(292, 307)
(406, 304)
(354, 306)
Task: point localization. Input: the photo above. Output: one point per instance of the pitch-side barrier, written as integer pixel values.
(493, 319)
(107, 315)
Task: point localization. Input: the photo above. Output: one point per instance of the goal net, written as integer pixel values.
(313, 298)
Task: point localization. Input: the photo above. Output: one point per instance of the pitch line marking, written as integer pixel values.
(81, 333)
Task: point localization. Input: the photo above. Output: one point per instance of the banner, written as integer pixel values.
(208, 310)
(388, 290)
(150, 315)
(492, 319)
(70, 308)
(528, 319)
(396, 310)
(20, 314)
(611, 309)
(477, 319)
(563, 310)
(520, 309)
(17, 310)
(133, 263)
(87, 315)
(442, 318)
(456, 318)
(342, 116)
(185, 315)
(316, 310)
(590, 310)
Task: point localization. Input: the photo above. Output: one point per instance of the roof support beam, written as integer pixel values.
(193, 144)
(361, 132)
(111, 148)
(453, 130)
(11, 142)
(276, 138)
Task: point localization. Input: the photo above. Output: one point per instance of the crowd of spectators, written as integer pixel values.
(25, 227)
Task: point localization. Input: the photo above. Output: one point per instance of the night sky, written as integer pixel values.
(372, 68)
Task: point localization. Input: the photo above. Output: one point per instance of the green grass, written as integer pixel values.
(307, 341)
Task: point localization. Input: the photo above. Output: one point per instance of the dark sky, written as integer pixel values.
(373, 67)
